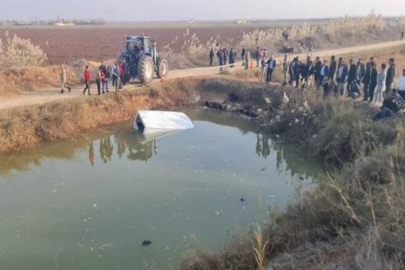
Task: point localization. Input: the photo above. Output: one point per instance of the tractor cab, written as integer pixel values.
(138, 45)
(142, 57)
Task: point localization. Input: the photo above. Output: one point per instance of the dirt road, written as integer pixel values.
(39, 97)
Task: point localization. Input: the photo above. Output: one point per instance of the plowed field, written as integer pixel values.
(68, 45)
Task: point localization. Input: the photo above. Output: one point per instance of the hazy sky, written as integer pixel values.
(133, 10)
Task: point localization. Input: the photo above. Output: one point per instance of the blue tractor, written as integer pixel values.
(143, 60)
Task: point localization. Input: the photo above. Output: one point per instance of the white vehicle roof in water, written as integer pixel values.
(160, 121)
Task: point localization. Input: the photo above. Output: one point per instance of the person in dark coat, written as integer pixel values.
(297, 72)
(303, 73)
(360, 71)
(390, 76)
(226, 56)
(271, 65)
(318, 66)
(211, 56)
(366, 81)
(220, 55)
(373, 81)
(232, 56)
(333, 68)
(243, 54)
(310, 73)
(291, 71)
(352, 74)
(257, 57)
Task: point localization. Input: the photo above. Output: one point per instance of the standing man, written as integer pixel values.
(352, 74)
(98, 80)
(115, 72)
(341, 78)
(86, 80)
(121, 67)
(390, 76)
(271, 65)
(297, 72)
(367, 81)
(380, 84)
(324, 72)
(220, 55)
(318, 66)
(232, 56)
(338, 65)
(264, 68)
(247, 59)
(402, 35)
(257, 56)
(226, 55)
(63, 78)
(285, 69)
(125, 72)
(333, 68)
(211, 56)
(373, 81)
(243, 55)
(107, 74)
(360, 71)
(291, 71)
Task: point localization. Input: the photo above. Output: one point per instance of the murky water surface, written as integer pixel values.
(90, 203)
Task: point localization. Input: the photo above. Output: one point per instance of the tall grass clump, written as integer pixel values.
(19, 52)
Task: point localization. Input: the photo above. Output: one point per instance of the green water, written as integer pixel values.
(89, 203)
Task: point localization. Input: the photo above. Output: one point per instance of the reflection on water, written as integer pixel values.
(89, 203)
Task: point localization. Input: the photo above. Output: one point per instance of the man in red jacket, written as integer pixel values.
(86, 80)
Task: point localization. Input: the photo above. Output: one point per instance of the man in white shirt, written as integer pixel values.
(401, 85)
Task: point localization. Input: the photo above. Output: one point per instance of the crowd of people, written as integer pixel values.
(338, 77)
(118, 75)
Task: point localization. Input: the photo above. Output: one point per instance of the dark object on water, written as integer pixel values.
(242, 199)
(146, 243)
(301, 178)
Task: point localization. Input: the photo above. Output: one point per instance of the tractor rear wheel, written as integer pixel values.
(162, 68)
(145, 69)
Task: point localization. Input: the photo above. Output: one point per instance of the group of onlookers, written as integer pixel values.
(118, 74)
(224, 55)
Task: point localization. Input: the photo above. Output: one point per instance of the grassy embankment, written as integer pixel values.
(355, 218)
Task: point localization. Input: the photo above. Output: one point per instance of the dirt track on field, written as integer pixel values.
(49, 95)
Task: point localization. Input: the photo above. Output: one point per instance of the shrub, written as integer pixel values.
(19, 52)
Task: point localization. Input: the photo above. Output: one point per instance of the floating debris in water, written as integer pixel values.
(94, 205)
(103, 247)
(146, 243)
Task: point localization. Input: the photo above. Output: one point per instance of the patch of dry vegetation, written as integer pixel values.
(346, 31)
(19, 52)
